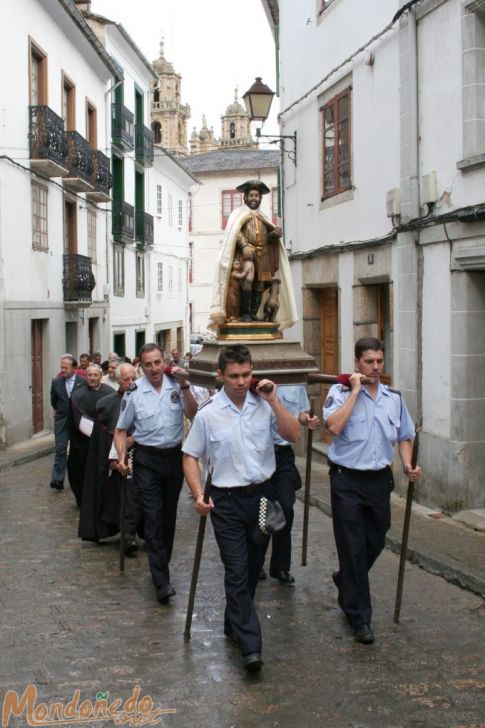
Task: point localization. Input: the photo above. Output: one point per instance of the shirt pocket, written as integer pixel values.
(262, 436)
(391, 426)
(145, 420)
(356, 428)
(221, 445)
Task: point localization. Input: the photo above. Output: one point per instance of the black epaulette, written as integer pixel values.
(131, 388)
(208, 401)
(390, 389)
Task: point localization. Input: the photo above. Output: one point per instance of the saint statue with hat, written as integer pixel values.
(254, 243)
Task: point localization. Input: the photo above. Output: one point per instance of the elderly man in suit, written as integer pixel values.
(61, 390)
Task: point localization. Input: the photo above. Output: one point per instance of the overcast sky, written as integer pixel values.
(214, 45)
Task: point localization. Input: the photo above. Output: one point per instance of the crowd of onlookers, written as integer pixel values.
(109, 365)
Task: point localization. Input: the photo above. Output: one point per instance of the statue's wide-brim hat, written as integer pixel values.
(253, 184)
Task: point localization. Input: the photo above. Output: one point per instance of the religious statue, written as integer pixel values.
(251, 254)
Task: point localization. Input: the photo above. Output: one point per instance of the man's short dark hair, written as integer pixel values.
(81, 356)
(70, 358)
(365, 343)
(148, 348)
(237, 354)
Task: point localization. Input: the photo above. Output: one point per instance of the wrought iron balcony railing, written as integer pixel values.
(122, 131)
(79, 162)
(101, 178)
(144, 227)
(47, 141)
(123, 221)
(78, 281)
(143, 145)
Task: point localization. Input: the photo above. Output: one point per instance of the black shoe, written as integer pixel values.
(130, 546)
(364, 634)
(262, 574)
(57, 484)
(284, 578)
(231, 637)
(165, 592)
(252, 662)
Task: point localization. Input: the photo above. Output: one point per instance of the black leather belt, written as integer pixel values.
(282, 447)
(245, 489)
(161, 451)
(355, 471)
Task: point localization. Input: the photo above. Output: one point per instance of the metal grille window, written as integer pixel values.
(336, 145)
(170, 280)
(39, 217)
(181, 214)
(160, 278)
(92, 236)
(170, 209)
(119, 270)
(140, 275)
(274, 205)
(230, 200)
(159, 200)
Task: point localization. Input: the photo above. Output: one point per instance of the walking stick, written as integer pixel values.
(405, 530)
(308, 477)
(122, 518)
(197, 558)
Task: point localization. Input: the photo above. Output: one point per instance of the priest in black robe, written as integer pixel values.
(100, 509)
(83, 415)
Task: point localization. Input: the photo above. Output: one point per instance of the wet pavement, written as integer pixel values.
(71, 621)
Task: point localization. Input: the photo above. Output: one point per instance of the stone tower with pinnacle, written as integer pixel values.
(168, 115)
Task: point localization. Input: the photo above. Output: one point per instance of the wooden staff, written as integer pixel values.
(197, 559)
(122, 518)
(405, 530)
(308, 477)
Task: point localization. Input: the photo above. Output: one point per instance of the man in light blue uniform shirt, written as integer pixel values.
(153, 409)
(366, 422)
(233, 431)
(286, 481)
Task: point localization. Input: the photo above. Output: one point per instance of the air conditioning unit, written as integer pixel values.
(429, 188)
(393, 202)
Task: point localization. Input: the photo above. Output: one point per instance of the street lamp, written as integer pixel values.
(257, 101)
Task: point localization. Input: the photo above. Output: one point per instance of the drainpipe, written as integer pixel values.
(414, 193)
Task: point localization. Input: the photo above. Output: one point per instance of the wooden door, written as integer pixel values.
(37, 377)
(329, 339)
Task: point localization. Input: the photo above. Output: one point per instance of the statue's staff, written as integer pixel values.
(197, 559)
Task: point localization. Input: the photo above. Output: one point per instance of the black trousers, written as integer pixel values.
(234, 517)
(284, 482)
(159, 478)
(60, 458)
(361, 517)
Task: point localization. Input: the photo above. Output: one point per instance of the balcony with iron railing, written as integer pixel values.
(101, 178)
(144, 227)
(122, 129)
(79, 163)
(47, 142)
(78, 282)
(123, 221)
(143, 145)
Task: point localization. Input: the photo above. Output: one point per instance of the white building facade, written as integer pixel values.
(385, 207)
(54, 184)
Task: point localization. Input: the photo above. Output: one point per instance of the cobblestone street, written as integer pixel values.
(71, 621)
